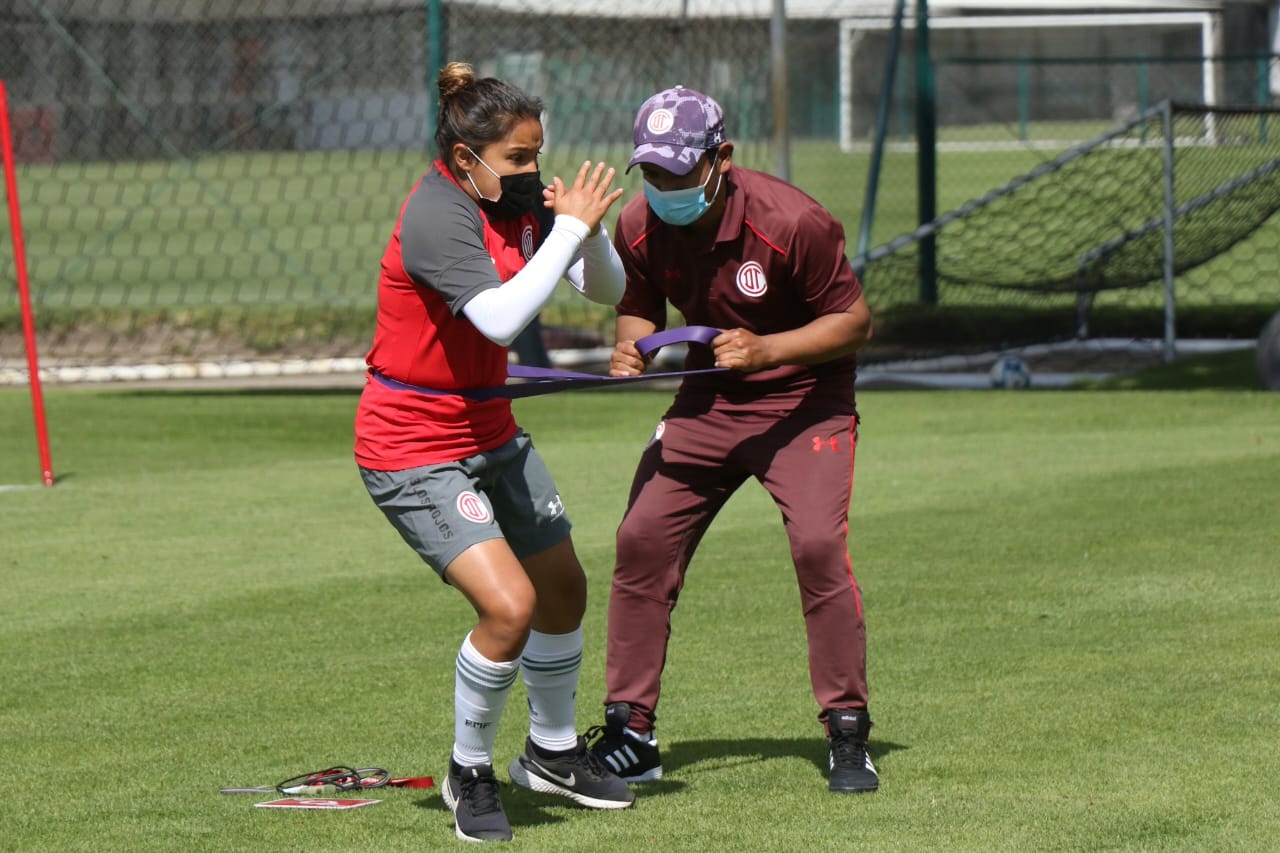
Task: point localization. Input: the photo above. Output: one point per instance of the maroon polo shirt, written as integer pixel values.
(776, 263)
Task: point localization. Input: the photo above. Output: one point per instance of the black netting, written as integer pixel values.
(1094, 218)
(205, 179)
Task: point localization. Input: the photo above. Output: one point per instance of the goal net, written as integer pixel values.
(1157, 197)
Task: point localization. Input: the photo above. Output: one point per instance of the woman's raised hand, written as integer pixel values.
(588, 198)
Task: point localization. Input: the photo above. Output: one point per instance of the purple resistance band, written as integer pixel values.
(545, 380)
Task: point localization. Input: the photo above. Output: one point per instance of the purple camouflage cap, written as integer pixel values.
(674, 128)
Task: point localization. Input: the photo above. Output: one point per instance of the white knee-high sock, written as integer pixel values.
(480, 688)
(549, 666)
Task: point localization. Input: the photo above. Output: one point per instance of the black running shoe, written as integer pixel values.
(633, 757)
(576, 774)
(851, 769)
(471, 793)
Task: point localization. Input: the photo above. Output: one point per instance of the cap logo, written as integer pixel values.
(750, 280)
(660, 121)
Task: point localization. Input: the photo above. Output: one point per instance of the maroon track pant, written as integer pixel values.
(689, 471)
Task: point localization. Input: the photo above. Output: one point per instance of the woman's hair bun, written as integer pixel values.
(453, 78)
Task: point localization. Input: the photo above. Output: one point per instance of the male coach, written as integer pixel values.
(765, 264)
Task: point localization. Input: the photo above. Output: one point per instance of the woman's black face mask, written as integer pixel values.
(521, 193)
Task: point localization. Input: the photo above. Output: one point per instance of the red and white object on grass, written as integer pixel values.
(24, 287)
(315, 804)
(336, 780)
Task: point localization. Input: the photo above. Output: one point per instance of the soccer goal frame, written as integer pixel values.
(854, 30)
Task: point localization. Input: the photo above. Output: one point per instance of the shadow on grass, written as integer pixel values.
(1228, 371)
(689, 759)
(523, 808)
(693, 757)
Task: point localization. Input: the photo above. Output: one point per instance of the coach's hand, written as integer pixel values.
(626, 360)
(738, 349)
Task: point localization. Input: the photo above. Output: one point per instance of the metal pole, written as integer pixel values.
(1024, 97)
(682, 36)
(1262, 99)
(435, 60)
(1169, 206)
(1144, 85)
(1274, 15)
(926, 155)
(781, 112)
(1210, 42)
(882, 129)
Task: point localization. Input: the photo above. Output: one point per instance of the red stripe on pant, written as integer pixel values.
(805, 461)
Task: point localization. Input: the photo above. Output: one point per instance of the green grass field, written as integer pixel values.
(1071, 603)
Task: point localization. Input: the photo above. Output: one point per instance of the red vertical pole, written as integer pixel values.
(24, 289)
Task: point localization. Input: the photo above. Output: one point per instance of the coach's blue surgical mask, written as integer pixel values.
(681, 207)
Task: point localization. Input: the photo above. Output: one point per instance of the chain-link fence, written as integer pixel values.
(216, 179)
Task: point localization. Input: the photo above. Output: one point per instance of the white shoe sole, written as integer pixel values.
(653, 774)
(521, 776)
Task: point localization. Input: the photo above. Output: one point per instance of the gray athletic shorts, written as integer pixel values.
(442, 510)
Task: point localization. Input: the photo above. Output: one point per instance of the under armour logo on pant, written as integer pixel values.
(819, 442)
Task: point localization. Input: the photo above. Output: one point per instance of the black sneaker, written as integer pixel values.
(851, 769)
(471, 793)
(576, 774)
(633, 757)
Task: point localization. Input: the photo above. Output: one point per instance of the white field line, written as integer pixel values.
(995, 145)
(1090, 347)
(928, 370)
